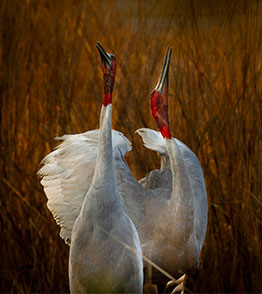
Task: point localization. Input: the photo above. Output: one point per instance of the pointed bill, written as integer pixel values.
(105, 57)
(109, 70)
(159, 98)
(163, 79)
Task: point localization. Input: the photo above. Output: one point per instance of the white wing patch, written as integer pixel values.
(68, 171)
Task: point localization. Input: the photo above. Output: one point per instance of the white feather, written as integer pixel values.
(67, 173)
(153, 140)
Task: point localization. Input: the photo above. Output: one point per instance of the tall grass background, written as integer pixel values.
(51, 84)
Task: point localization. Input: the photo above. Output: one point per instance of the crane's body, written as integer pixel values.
(172, 202)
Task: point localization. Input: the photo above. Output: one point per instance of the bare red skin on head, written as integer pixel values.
(107, 99)
(159, 108)
(109, 79)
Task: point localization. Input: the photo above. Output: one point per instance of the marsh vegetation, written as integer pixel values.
(51, 84)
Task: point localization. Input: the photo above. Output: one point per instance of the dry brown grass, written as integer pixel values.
(51, 84)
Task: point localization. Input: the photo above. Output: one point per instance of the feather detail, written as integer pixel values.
(152, 140)
(67, 173)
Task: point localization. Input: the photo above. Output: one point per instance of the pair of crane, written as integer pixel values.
(109, 219)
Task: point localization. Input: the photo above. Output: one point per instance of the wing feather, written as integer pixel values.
(67, 173)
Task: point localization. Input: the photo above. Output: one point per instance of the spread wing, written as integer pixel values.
(67, 174)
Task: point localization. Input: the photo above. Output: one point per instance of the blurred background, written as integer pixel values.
(51, 84)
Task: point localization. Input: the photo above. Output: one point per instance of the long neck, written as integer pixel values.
(104, 162)
(165, 162)
(183, 198)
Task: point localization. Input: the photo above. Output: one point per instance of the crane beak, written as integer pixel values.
(163, 79)
(105, 57)
(159, 99)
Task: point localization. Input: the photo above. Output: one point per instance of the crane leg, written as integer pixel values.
(150, 288)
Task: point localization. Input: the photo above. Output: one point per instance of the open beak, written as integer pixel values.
(105, 57)
(163, 80)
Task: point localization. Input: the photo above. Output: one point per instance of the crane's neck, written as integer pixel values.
(104, 161)
(165, 162)
(183, 198)
(103, 196)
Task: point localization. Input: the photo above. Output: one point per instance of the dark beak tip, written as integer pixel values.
(163, 80)
(105, 57)
(98, 45)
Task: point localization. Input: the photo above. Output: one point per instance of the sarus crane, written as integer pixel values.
(105, 252)
(168, 206)
(179, 213)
